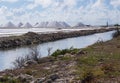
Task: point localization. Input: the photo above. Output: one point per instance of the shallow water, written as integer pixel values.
(9, 56)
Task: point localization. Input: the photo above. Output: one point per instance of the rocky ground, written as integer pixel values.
(99, 63)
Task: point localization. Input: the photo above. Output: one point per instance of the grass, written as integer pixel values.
(102, 61)
(7, 79)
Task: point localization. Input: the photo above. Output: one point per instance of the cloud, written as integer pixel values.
(11, 1)
(99, 4)
(4, 14)
(55, 3)
(43, 3)
(70, 2)
(115, 3)
(72, 11)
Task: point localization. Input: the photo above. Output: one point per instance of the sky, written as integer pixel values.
(93, 12)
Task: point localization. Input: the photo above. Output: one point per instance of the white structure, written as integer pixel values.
(80, 25)
(20, 25)
(10, 25)
(53, 24)
(27, 25)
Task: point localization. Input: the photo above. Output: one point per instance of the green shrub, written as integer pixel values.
(7, 79)
(56, 53)
(60, 52)
(64, 51)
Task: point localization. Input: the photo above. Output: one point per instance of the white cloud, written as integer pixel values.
(70, 2)
(99, 4)
(11, 1)
(115, 3)
(43, 3)
(60, 10)
(47, 3)
(3, 14)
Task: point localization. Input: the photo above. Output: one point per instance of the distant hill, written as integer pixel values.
(9, 25)
(1, 25)
(80, 25)
(42, 24)
(27, 25)
(36, 24)
(53, 24)
(20, 24)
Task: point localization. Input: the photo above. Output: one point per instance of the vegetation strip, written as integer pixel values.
(32, 38)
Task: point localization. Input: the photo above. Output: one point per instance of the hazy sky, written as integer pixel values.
(71, 11)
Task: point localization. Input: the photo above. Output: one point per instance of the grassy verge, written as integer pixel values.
(101, 63)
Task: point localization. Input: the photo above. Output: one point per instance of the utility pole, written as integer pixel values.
(107, 24)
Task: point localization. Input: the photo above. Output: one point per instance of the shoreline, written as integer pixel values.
(32, 38)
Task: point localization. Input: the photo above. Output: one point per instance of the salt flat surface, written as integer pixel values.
(16, 32)
(19, 31)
